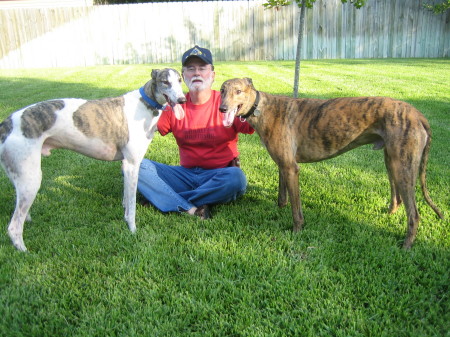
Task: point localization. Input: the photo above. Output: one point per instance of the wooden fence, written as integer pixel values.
(233, 30)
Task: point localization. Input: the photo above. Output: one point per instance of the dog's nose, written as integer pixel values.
(181, 100)
(223, 109)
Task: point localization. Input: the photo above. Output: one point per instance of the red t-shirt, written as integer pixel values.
(202, 139)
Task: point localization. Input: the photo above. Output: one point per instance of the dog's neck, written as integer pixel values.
(148, 96)
(252, 110)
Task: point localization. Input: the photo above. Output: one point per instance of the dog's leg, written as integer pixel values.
(282, 190)
(408, 195)
(290, 176)
(130, 174)
(404, 161)
(403, 178)
(396, 200)
(27, 180)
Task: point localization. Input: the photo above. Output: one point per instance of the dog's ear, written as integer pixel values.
(249, 82)
(154, 73)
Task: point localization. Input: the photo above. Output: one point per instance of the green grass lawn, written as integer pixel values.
(243, 273)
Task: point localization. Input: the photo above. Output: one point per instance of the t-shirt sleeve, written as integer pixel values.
(164, 124)
(242, 126)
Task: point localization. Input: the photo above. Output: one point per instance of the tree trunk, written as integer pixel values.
(301, 27)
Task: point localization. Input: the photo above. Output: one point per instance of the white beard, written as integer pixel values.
(199, 86)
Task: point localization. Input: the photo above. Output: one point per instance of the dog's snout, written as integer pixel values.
(181, 100)
(223, 109)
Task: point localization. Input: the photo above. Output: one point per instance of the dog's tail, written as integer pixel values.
(423, 170)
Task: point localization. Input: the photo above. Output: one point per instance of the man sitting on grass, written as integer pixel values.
(209, 173)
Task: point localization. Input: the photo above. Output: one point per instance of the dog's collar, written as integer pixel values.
(147, 99)
(253, 108)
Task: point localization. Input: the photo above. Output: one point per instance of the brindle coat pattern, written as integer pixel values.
(310, 130)
(6, 128)
(104, 119)
(39, 118)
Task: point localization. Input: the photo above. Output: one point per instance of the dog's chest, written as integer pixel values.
(141, 119)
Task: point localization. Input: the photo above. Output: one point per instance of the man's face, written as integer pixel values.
(198, 75)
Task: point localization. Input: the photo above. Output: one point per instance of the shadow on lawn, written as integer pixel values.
(322, 212)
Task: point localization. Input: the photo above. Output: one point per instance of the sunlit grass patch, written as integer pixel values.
(242, 273)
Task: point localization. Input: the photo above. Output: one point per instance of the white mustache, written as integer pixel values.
(197, 78)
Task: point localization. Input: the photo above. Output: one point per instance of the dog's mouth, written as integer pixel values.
(169, 101)
(176, 107)
(228, 117)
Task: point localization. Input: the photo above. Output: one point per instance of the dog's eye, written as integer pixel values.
(238, 92)
(166, 82)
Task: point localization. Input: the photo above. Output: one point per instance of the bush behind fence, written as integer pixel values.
(233, 30)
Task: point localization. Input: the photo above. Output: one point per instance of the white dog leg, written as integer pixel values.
(130, 175)
(15, 230)
(26, 193)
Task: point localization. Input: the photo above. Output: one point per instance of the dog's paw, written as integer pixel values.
(18, 242)
(132, 228)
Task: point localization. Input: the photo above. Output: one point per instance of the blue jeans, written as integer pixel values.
(177, 189)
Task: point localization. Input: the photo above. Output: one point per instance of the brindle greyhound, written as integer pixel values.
(119, 128)
(310, 130)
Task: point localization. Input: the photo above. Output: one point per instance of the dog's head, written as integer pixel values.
(238, 96)
(166, 87)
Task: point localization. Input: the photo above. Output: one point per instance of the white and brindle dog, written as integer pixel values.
(119, 128)
(310, 130)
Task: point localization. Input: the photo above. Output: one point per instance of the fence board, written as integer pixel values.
(233, 30)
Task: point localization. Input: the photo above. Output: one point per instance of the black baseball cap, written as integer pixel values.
(202, 53)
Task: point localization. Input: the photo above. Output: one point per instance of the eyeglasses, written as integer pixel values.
(200, 69)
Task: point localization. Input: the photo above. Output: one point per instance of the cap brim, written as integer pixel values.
(196, 56)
